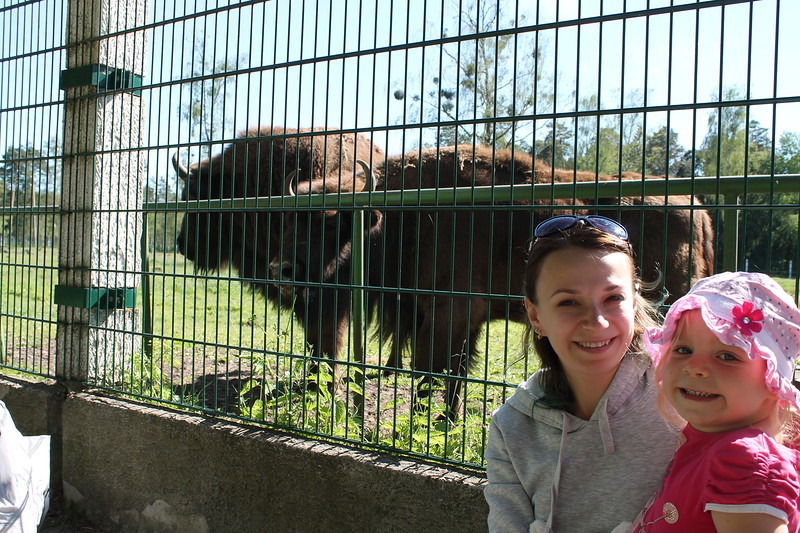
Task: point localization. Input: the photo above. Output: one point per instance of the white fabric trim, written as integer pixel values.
(749, 508)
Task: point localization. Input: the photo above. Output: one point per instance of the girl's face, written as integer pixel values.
(713, 386)
(585, 307)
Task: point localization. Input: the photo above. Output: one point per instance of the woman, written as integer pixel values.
(580, 446)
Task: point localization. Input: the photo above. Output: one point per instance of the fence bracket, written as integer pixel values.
(103, 77)
(95, 297)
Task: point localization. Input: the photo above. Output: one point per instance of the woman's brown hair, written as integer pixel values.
(557, 391)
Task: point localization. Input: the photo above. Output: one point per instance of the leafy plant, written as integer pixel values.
(304, 398)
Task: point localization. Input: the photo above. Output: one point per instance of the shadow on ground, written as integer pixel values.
(220, 392)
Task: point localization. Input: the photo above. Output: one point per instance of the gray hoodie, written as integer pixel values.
(572, 475)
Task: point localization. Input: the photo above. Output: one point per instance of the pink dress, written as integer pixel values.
(742, 471)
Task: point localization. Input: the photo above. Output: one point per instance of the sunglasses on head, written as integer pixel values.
(553, 225)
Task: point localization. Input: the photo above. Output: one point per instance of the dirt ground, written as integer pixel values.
(215, 385)
(58, 522)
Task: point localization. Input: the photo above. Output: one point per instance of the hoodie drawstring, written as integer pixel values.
(557, 474)
(605, 428)
(608, 447)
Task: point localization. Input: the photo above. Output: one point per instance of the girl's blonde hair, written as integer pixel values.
(665, 407)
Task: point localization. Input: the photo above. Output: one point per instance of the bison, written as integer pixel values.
(256, 164)
(435, 277)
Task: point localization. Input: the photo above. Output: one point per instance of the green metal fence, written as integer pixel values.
(134, 263)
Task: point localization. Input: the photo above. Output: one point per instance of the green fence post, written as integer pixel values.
(359, 307)
(730, 233)
(147, 300)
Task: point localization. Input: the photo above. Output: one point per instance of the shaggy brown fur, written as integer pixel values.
(475, 253)
(256, 164)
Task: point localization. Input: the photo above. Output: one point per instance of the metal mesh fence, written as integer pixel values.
(313, 215)
(31, 136)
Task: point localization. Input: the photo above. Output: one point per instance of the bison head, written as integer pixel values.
(202, 234)
(316, 243)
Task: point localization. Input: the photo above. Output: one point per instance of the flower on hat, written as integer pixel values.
(746, 318)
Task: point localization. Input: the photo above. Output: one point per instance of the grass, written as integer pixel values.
(789, 285)
(218, 345)
(27, 313)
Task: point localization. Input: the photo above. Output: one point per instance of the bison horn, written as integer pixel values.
(371, 181)
(183, 172)
(288, 184)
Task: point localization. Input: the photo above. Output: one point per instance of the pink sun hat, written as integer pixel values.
(747, 310)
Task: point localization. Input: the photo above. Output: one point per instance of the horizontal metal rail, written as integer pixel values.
(31, 210)
(737, 185)
(497, 193)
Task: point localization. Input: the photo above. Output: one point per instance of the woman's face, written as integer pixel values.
(585, 307)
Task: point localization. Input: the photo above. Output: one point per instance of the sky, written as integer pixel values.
(369, 50)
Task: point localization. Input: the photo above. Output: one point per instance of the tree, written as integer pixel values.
(657, 154)
(736, 146)
(209, 109)
(722, 151)
(759, 148)
(599, 149)
(787, 156)
(662, 153)
(490, 79)
(22, 171)
(558, 147)
(772, 233)
(733, 146)
(685, 166)
(610, 145)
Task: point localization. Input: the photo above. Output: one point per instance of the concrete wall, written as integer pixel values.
(131, 467)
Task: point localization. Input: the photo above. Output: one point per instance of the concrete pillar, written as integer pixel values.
(103, 177)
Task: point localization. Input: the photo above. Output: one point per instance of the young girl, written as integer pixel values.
(580, 446)
(725, 362)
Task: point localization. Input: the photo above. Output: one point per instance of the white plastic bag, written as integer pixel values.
(24, 477)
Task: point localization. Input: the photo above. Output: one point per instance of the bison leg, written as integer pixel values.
(394, 361)
(446, 350)
(453, 388)
(325, 333)
(397, 323)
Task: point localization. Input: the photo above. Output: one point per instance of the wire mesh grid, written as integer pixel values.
(228, 168)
